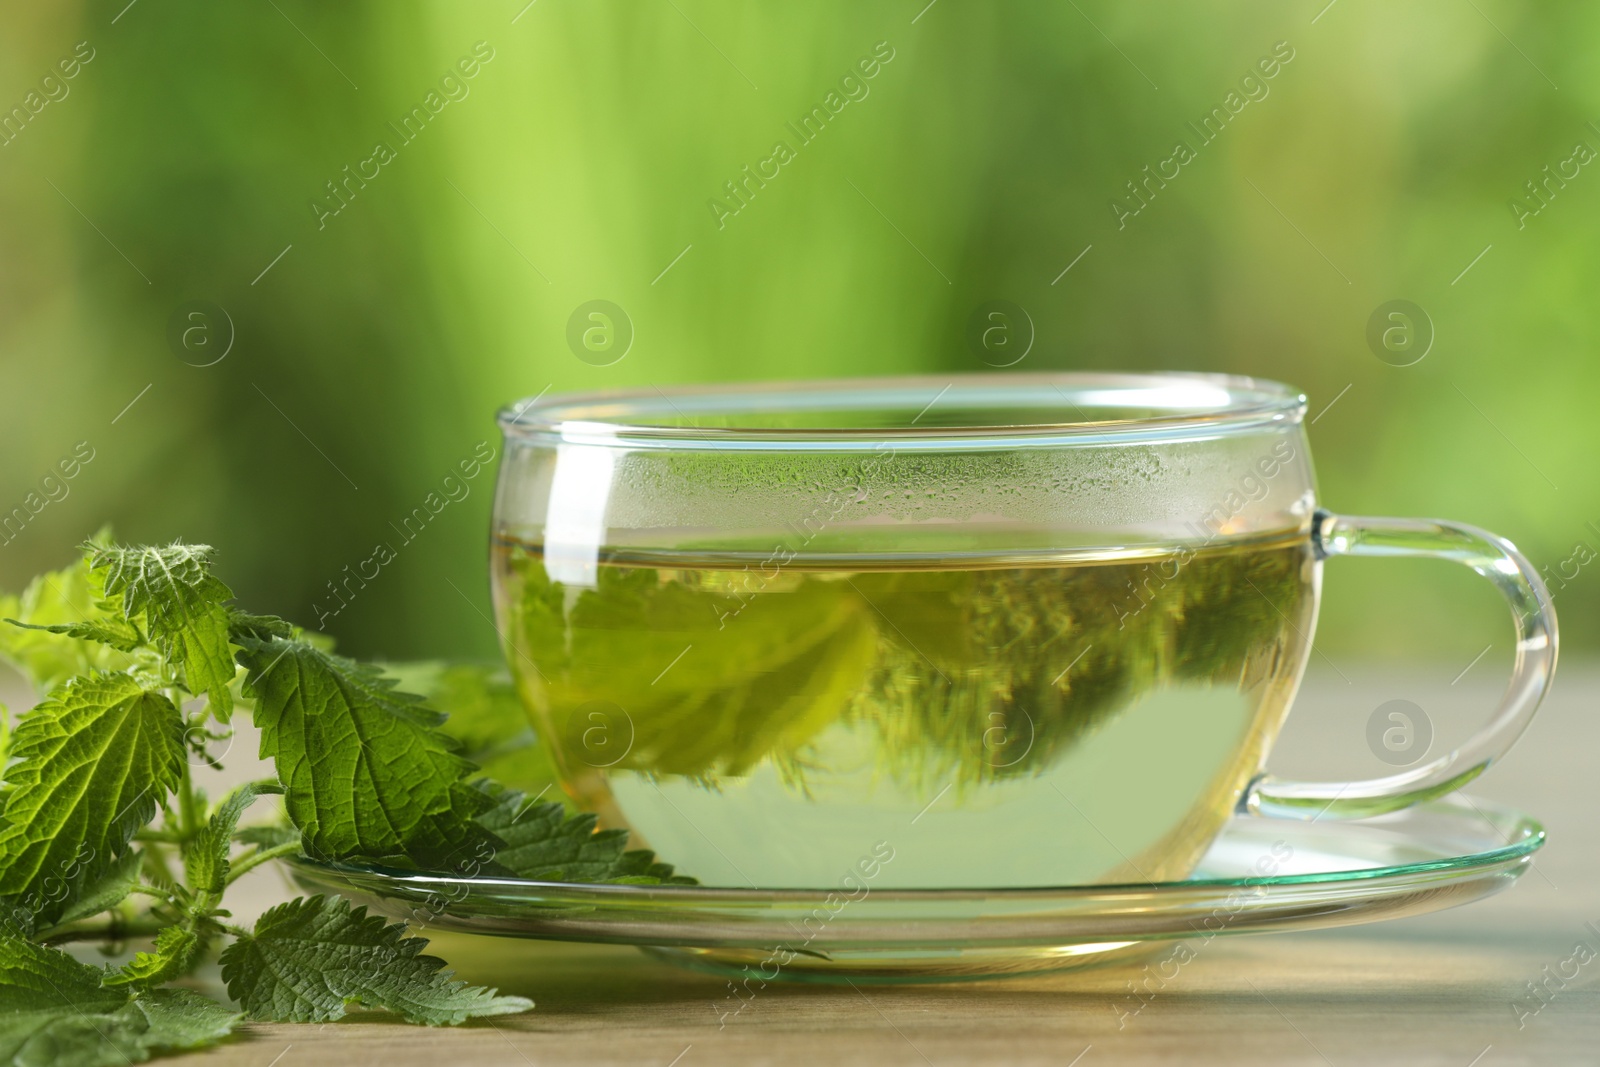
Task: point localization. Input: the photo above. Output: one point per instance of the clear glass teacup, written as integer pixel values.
(972, 632)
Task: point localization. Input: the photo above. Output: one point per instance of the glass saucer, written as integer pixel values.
(1327, 873)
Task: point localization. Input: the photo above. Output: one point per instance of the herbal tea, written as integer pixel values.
(1069, 721)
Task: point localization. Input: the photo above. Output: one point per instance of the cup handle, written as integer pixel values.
(1533, 615)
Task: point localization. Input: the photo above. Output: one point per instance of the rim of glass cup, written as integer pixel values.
(1180, 405)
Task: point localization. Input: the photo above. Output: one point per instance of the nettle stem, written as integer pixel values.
(189, 815)
(251, 860)
(165, 837)
(111, 930)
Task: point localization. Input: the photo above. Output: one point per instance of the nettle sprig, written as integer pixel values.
(105, 838)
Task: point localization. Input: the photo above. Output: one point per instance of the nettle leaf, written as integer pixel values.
(116, 632)
(175, 947)
(310, 958)
(543, 842)
(36, 978)
(177, 1020)
(641, 867)
(183, 607)
(260, 627)
(487, 718)
(42, 644)
(54, 1010)
(89, 766)
(205, 859)
(365, 769)
(104, 892)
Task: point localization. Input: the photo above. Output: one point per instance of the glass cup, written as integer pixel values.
(972, 632)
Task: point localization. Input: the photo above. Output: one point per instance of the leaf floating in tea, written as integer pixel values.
(972, 674)
(768, 681)
(987, 674)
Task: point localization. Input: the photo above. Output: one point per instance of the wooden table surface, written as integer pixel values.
(1436, 989)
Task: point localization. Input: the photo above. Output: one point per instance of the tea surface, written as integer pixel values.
(1071, 720)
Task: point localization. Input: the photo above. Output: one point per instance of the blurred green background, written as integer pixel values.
(371, 347)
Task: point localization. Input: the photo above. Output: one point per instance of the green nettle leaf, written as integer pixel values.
(365, 769)
(54, 1011)
(639, 866)
(175, 947)
(310, 958)
(36, 978)
(183, 608)
(543, 842)
(178, 1020)
(116, 632)
(37, 645)
(260, 627)
(487, 717)
(107, 890)
(205, 859)
(88, 768)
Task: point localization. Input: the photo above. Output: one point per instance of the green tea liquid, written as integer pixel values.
(767, 722)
